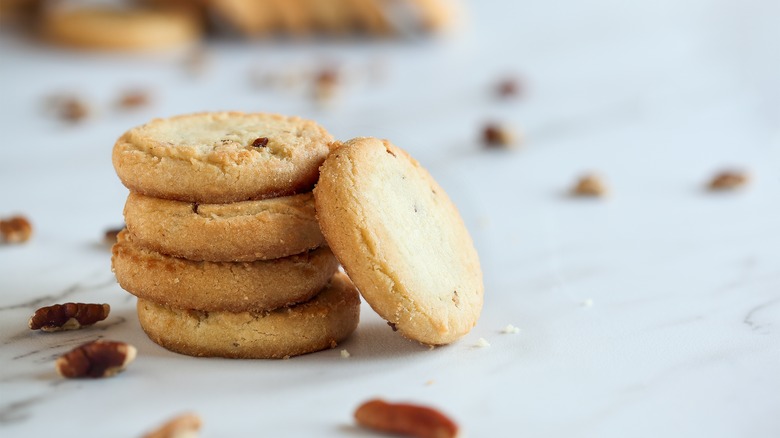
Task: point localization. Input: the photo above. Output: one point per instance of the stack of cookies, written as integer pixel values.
(222, 246)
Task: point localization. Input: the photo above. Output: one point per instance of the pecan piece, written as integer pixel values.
(326, 84)
(182, 426)
(110, 235)
(95, 359)
(590, 185)
(73, 110)
(498, 137)
(15, 229)
(729, 180)
(68, 316)
(405, 419)
(134, 99)
(260, 142)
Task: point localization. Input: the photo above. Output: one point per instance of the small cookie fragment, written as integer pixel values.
(345, 354)
(95, 360)
(590, 185)
(16, 229)
(405, 420)
(68, 316)
(496, 136)
(482, 343)
(182, 426)
(510, 329)
(729, 180)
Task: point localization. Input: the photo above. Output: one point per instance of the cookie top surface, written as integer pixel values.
(400, 240)
(221, 157)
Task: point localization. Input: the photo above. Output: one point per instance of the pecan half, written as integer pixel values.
(729, 180)
(134, 99)
(182, 426)
(68, 316)
(590, 185)
(16, 229)
(405, 419)
(95, 359)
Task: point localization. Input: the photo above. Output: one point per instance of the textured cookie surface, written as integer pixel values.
(120, 28)
(217, 286)
(221, 157)
(315, 325)
(239, 231)
(401, 240)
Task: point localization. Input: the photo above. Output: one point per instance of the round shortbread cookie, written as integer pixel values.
(315, 325)
(220, 286)
(401, 240)
(221, 157)
(120, 28)
(239, 231)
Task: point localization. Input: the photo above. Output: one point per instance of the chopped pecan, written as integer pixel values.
(590, 185)
(185, 425)
(68, 316)
(260, 142)
(326, 84)
(498, 136)
(134, 99)
(73, 110)
(729, 180)
(508, 88)
(405, 419)
(95, 359)
(111, 234)
(15, 229)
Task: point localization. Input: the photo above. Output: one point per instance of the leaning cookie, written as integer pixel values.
(221, 157)
(316, 325)
(220, 286)
(239, 231)
(401, 240)
(107, 28)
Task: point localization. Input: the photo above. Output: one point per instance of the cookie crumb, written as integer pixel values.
(496, 136)
(590, 185)
(430, 382)
(482, 343)
(729, 180)
(587, 303)
(510, 329)
(345, 354)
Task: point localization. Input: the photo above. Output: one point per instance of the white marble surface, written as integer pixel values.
(683, 335)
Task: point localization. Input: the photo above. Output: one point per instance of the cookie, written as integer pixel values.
(239, 231)
(315, 325)
(108, 28)
(370, 17)
(221, 157)
(249, 17)
(215, 286)
(400, 240)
